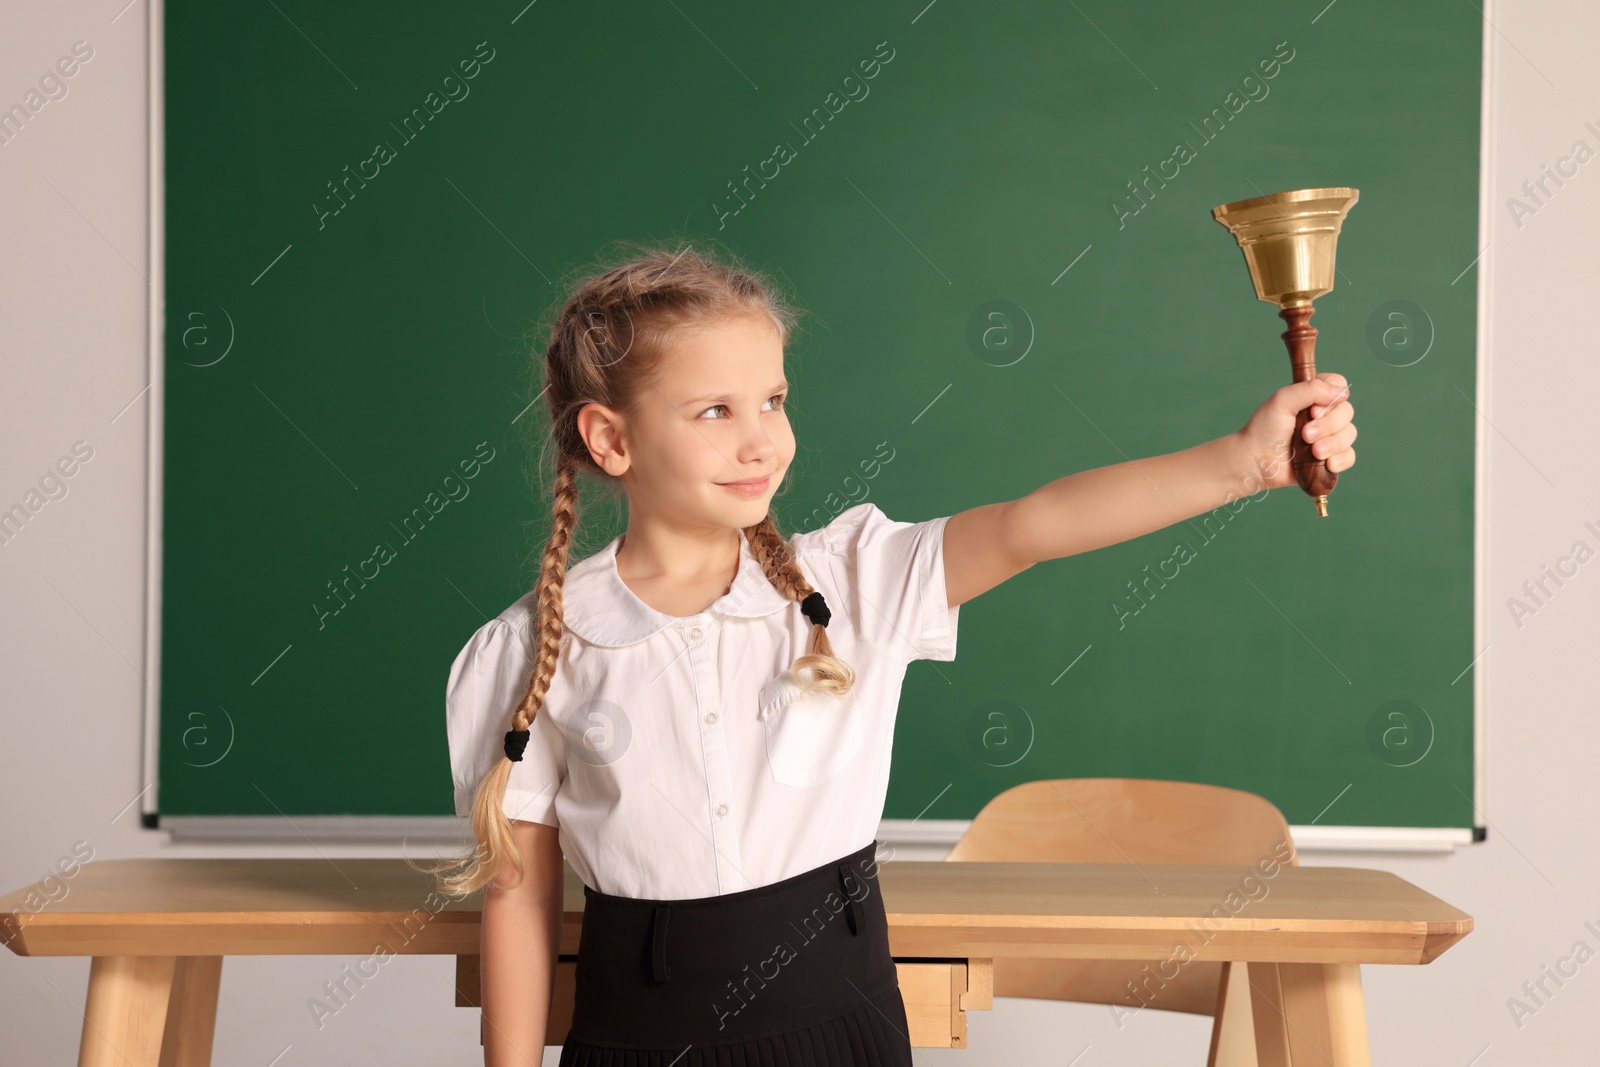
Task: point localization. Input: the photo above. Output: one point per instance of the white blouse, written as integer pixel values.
(674, 753)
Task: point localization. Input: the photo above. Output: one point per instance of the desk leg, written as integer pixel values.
(150, 1011)
(192, 1012)
(1233, 1034)
(1309, 1015)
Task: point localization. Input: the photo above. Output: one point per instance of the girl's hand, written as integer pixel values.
(1330, 430)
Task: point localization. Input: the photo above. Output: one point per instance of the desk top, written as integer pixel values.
(226, 907)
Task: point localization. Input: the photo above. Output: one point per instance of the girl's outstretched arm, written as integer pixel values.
(517, 955)
(1091, 509)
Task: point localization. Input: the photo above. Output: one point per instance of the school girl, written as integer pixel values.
(699, 715)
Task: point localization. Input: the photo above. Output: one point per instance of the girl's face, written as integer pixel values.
(715, 416)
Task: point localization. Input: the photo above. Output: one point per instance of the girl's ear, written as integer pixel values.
(601, 429)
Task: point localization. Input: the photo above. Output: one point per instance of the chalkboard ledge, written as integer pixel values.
(912, 839)
(921, 839)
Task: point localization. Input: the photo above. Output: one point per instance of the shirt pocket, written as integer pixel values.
(811, 737)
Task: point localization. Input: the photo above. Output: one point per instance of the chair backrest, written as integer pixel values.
(1122, 820)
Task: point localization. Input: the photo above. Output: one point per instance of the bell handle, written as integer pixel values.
(1301, 340)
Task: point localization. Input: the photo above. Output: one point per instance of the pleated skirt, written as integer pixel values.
(796, 973)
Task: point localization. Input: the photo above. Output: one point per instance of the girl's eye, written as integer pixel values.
(781, 398)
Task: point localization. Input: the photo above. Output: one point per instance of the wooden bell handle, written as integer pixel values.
(1312, 473)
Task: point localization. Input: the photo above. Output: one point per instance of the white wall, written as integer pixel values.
(72, 284)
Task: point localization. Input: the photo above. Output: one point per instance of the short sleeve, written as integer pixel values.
(487, 681)
(895, 571)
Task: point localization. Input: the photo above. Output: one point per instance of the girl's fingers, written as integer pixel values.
(1297, 396)
(1337, 441)
(1335, 389)
(1325, 423)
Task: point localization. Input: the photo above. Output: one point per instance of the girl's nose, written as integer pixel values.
(757, 441)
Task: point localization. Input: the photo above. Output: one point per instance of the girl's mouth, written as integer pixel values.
(751, 487)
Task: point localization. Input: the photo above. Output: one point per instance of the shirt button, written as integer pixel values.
(695, 634)
(711, 716)
(722, 809)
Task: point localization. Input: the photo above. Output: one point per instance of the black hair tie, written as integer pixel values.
(816, 609)
(516, 741)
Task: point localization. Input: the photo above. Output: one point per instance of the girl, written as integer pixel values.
(699, 715)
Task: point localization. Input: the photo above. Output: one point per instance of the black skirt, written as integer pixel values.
(796, 973)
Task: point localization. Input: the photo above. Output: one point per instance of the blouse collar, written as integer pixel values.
(599, 607)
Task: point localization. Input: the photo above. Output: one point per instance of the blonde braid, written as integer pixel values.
(829, 673)
(552, 575)
(490, 825)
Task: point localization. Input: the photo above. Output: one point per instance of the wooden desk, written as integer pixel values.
(158, 929)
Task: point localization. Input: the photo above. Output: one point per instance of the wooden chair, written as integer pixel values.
(1134, 821)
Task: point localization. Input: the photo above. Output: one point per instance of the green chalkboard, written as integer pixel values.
(369, 206)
